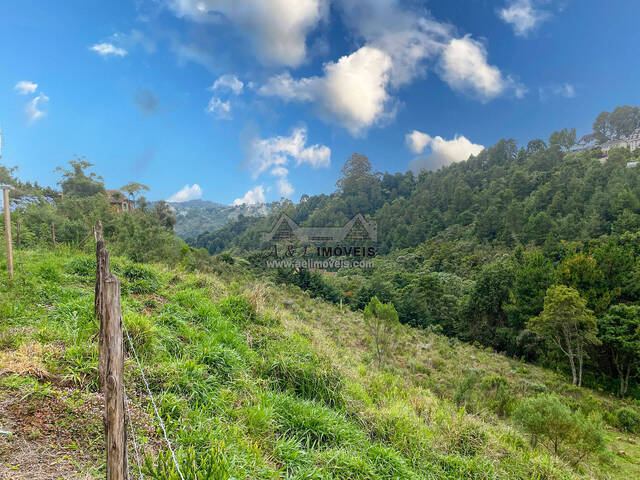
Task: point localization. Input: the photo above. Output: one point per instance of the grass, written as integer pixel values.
(262, 382)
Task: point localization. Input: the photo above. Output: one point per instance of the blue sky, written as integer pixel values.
(253, 100)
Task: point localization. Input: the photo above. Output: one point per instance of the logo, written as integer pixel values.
(322, 247)
(356, 230)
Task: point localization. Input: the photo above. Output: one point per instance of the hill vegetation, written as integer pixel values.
(194, 217)
(496, 336)
(472, 249)
(254, 380)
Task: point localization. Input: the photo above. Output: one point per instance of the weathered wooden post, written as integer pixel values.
(102, 270)
(53, 234)
(7, 226)
(115, 431)
(107, 309)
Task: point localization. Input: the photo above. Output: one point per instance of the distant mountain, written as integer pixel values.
(197, 216)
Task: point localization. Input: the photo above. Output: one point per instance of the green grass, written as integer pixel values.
(252, 387)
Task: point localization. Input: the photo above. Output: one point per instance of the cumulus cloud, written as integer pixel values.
(357, 91)
(465, 68)
(252, 197)
(417, 141)
(523, 16)
(25, 87)
(277, 29)
(277, 152)
(565, 90)
(219, 109)
(34, 108)
(408, 37)
(108, 49)
(186, 193)
(352, 91)
(228, 82)
(444, 152)
(276, 155)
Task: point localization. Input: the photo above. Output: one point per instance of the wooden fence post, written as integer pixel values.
(114, 413)
(53, 234)
(102, 270)
(108, 311)
(7, 227)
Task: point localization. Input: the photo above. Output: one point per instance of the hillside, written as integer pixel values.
(195, 217)
(473, 249)
(256, 380)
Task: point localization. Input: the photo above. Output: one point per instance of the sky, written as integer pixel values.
(248, 101)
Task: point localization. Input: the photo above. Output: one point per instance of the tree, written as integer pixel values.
(624, 120)
(381, 320)
(568, 325)
(551, 423)
(164, 213)
(76, 183)
(619, 332)
(536, 145)
(564, 139)
(617, 124)
(133, 189)
(602, 126)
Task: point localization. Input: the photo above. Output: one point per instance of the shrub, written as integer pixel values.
(551, 423)
(628, 419)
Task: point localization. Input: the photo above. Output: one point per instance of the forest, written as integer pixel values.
(478, 250)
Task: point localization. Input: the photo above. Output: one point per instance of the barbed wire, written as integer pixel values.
(155, 407)
(133, 433)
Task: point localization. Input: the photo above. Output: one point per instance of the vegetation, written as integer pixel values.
(532, 252)
(472, 249)
(381, 321)
(254, 380)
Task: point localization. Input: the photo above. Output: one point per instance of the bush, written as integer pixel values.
(551, 422)
(628, 419)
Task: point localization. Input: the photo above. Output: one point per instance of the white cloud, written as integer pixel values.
(408, 37)
(445, 152)
(25, 87)
(252, 197)
(218, 108)
(464, 67)
(106, 49)
(357, 91)
(188, 192)
(417, 141)
(523, 16)
(229, 82)
(277, 29)
(565, 90)
(275, 154)
(285, 188)
(271, 153)
(34, 108)
(279, 172)
(353, 90)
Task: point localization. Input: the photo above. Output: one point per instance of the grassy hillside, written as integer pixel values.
(256, 380)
